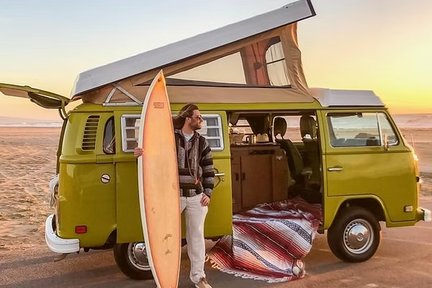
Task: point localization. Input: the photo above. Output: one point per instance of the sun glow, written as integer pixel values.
(389, 53)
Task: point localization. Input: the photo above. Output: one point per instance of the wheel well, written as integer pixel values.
(370, 204)
(112, 239)
(110, 242)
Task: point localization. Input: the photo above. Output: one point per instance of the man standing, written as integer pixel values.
(195, 166)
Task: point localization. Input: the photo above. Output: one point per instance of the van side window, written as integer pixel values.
(276, 67)
(129, 128)
(360, 129)
(212, 131)
(109, 137)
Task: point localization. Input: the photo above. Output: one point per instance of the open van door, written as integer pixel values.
(42, 98)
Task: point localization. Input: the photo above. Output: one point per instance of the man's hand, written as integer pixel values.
(138, 152)
(205, 200)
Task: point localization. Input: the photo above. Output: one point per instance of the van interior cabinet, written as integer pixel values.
(260, 175)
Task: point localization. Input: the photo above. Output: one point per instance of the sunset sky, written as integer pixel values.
(384, 45)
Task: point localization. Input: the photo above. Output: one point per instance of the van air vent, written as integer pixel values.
(90, 131)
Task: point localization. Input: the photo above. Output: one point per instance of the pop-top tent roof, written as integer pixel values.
(198, 45)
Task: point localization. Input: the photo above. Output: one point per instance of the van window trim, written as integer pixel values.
(123, 130)
(219, 127)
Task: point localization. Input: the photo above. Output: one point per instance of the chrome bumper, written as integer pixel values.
(57, 244)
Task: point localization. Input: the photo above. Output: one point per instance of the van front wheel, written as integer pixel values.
(132, 260)
(355, 235)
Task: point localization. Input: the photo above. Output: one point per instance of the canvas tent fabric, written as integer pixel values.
(271, 36)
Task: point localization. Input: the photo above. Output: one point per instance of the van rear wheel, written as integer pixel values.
(132, 260)
(355, 235)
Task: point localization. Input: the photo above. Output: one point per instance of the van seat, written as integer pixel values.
(311, 157)
(295, 161)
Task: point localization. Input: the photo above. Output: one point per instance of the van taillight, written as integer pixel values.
(81, 229)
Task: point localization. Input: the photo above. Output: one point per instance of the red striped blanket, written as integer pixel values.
(269, 241)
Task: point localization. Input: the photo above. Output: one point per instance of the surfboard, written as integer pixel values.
(158, 183)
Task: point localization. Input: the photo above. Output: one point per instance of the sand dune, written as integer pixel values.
(28, 161)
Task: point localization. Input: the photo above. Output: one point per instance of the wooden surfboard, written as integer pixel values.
(158, 183)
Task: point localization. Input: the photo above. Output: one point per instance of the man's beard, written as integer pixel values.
(196, 126)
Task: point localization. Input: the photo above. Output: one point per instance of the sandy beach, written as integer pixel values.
(28, 161)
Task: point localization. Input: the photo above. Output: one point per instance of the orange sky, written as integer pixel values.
(359, 44)
(379, 45)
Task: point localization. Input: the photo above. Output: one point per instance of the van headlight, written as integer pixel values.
(53, 190)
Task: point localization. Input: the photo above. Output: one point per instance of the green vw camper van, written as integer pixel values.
(271, 137)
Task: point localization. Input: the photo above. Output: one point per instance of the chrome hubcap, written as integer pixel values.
(358, 236)
(137, 255)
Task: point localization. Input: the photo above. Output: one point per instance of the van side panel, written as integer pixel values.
(85, 198)
(129, 227)
(219, 218)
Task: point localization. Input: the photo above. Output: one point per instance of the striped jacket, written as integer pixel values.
(195, 164)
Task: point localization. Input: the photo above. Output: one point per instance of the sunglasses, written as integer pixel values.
(198, 117)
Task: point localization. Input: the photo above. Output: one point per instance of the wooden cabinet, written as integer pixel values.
(259, 175)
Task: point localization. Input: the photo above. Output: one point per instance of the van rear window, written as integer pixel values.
(109, 146)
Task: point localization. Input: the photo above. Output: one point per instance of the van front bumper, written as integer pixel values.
(424, 214)
(57, 244)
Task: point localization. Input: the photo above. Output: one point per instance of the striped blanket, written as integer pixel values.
(269, 241)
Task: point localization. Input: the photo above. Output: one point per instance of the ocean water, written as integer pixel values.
(421, 121)
(24, 122)
(35, 125)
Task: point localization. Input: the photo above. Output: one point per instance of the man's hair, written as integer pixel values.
(186, 111)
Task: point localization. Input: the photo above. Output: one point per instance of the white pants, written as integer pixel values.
(195, 215)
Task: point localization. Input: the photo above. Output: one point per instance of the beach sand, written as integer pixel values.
(28, 162)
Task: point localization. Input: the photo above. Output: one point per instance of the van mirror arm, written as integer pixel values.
(385, 142)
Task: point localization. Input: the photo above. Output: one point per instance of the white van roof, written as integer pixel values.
(193, 46)
(340, 98)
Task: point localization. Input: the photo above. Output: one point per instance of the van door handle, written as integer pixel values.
(335, 169)
(219, 174)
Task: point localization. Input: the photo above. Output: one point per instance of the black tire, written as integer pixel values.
(355, 235)
(132, 260)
